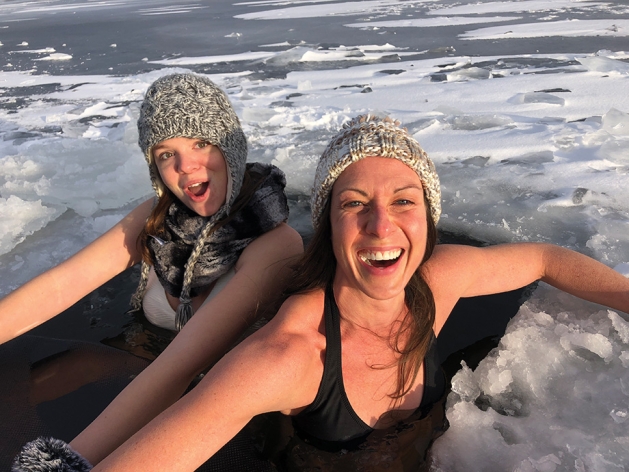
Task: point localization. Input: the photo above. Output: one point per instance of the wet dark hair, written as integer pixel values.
(316, 269)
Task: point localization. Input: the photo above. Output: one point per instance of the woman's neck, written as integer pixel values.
(376, 315)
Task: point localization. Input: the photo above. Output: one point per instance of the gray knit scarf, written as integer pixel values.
(183, 228)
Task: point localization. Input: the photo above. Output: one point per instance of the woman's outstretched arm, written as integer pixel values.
(455, 271)
(276, 369)
(50, 293)
(261, 273)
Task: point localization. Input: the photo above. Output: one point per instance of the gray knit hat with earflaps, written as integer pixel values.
(191, 106)
(372, 136)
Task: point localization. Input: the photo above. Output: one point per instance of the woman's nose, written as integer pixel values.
(186, 162)
(379, 222)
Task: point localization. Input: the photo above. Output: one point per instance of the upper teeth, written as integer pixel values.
(380, 255)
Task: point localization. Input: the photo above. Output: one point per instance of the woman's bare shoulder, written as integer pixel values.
(296, 329)
(283, 236)
(291, 347)
(444, 252)
(281, 244)
(446, 261)
(292, 334)
(302, 313)
(446, 273)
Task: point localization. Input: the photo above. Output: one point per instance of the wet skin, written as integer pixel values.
(194, 171)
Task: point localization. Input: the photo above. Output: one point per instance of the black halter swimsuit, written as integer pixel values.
(330, 423)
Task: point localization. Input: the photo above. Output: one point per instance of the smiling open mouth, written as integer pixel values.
(198, 189)
(380, 258)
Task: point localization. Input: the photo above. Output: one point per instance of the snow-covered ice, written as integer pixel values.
(529, 147)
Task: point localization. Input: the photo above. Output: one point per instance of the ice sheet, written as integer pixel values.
(529, 147)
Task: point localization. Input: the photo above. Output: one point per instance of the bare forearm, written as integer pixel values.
(269, 371)
(201, 343)
(181, 438)
(31, 305)
(585, 278)
(147, 396)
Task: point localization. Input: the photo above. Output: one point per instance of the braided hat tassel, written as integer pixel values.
(184, 310)
(136, 299)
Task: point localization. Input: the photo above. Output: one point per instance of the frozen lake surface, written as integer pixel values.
(523, 106)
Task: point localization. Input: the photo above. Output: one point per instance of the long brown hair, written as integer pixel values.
(316, 269)
(155, 222)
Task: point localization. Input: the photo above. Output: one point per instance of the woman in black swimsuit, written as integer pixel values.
(350, 355)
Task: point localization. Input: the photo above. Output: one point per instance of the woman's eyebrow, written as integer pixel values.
(365, 194)
(409, 187)
(352, 189)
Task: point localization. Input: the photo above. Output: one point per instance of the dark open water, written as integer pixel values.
(162, 29)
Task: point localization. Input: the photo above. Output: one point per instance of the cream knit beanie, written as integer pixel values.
(372, 136)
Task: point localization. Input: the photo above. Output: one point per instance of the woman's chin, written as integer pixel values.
(378, 288)
(203, 210)
(203, 205)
